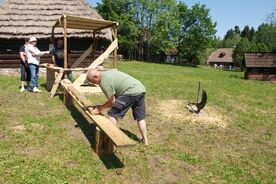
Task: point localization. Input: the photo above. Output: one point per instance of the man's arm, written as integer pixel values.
(22, 56)
(36, 51)
(54, 59)
(107, 104)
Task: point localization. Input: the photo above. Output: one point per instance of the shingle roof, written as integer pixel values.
(27, 18)
(223, 55)
(260, 60)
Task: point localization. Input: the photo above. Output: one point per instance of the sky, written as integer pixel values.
(228, 13)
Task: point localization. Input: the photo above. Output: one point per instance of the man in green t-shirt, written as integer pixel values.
(123, 92)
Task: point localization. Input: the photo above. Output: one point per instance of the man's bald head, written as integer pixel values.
(93, 76)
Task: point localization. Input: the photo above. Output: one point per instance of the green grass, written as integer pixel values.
(41, 141)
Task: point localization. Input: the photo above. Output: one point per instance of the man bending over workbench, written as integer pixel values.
(122, 92)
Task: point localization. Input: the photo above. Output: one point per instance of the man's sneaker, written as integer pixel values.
(22, 89)
(36, 90)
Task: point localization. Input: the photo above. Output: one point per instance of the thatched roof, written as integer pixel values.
(260, 60)
(26, 18)
(223, 55)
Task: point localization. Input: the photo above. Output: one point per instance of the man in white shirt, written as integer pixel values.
(33, 55)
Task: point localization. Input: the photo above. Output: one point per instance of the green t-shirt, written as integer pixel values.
(117, 83)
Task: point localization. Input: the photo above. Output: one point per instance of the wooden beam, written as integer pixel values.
(94, 45)
(83, 56)
(56, 84)
(65, 43)
(104, 55)
(118, 137)
(115, 50)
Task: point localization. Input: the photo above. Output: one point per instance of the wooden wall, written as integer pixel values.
(264, 74)
(9, 51)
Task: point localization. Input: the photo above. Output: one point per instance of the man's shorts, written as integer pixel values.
(123, 103)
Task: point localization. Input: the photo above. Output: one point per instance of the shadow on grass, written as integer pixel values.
(89, 130)
(131, 135)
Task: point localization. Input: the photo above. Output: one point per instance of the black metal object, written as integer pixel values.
(198, 106)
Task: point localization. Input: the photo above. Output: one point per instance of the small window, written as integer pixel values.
(222, 54)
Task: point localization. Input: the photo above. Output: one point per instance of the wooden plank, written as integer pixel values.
(50, 79)
(79, 81)
(67, 98)
(98, 141)
(89, 89)
(83, 56)
(65, 43)
(104, 55)
(118, 137)
(56, 84)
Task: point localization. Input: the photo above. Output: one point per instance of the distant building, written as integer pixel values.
(221, 57)
(260, 66)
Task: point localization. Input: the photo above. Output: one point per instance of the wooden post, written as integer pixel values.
(50, 78)
(56, 84)
(67, 98)
(104, 146)
(115, 50)
(65, 44)
(94, 45)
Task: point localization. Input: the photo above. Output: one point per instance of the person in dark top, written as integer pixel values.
(24, 67)
(58, 56)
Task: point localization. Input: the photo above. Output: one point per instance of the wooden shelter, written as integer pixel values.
(222, 56)
(96, 26)
(29, 18)
(260, 66)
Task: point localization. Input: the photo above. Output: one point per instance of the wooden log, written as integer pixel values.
(56, 84)
(67, 98)
(104, 145)
(83, 56)
(86, 103)
(50, 79)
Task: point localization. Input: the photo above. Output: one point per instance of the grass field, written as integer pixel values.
(232, 141)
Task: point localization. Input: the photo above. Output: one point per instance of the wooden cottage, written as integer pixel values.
(221, 57)
(260, 66)
(20, 19)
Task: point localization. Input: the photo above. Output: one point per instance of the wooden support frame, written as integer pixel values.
(56, 84)
(96, 25)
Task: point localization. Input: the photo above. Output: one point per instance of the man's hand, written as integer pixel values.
(96, 111)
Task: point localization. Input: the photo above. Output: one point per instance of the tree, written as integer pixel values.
(229, 34)
(166, 29)
(243, 46)
(271, 18)
(237, 30)
(246, 32)
(122, 11)
(266, 34)
(197, 31)
(232, 41)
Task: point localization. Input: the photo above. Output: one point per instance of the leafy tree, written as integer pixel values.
(232, 41)
(166, 30)
(266, 34)
(122, 11)
(237, 30)
(229, 34)
(197, 31)
(246, 32)
(271, 18)
(243, 46)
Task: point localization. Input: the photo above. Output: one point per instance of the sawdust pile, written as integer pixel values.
(175, 110)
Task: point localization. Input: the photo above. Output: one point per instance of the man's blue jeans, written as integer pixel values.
(34, 69)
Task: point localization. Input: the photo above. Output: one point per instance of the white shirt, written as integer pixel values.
(33, 54)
